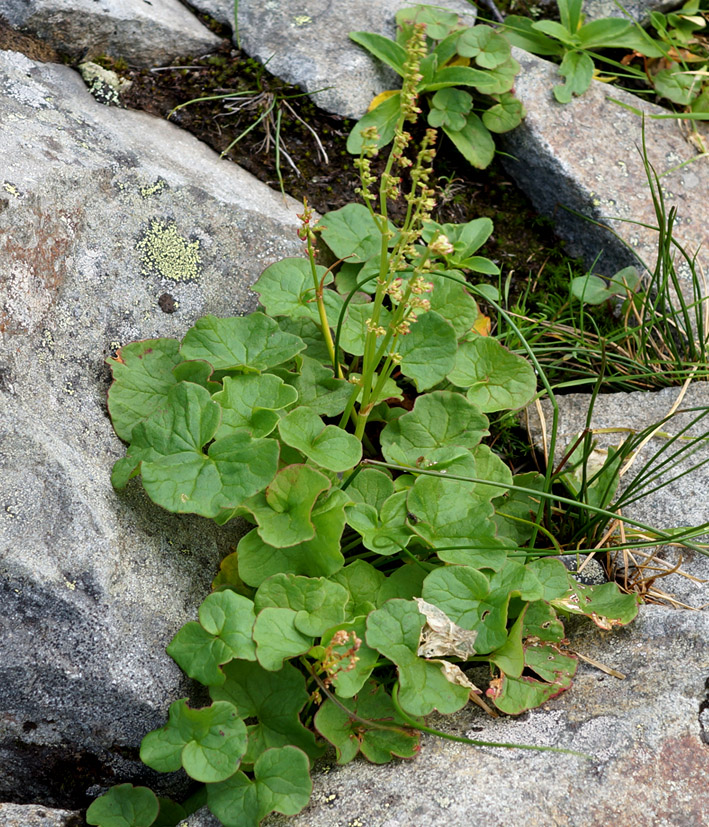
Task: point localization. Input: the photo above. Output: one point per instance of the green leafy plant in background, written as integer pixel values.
(390, 547)
(574, 42)
(455, 58)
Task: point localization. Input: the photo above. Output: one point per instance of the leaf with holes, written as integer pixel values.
(395, 632)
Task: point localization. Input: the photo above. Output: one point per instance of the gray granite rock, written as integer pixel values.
(683, 502)
(637, 9)
(114, 226)
(28, 815)
(585, 156)
(308, 44)
(649, 764)
(143, 33)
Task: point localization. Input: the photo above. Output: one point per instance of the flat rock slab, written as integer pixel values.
(636, 9)
(309, 45)
(28, 815)
(651, 756)
(114, 226)
(682, 502)
(142, 33)
(585, 156)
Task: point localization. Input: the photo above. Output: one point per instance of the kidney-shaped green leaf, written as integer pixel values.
(496, 378)
(223, 633)
(124, 806)
(254, 342)
(327, 445)
(208, 743)
(281, 783)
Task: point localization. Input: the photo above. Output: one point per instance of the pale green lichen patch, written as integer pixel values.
(167, 254)
(11, 188)
(153, 189)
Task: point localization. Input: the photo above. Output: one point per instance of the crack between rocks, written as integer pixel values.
(704, 716)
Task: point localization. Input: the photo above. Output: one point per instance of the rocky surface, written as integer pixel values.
(650, 756)
(142, 33)
(18, 815)
(585, 156)
(682, 501)
(309, 44)
(114, 226)
(637, 9)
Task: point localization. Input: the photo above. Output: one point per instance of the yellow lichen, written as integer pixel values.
(168, 254)
(152, 189)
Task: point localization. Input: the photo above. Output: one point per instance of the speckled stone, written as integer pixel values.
(103, 213)
(143, 33)
(18, 815)
(636, 9)
(308, 44)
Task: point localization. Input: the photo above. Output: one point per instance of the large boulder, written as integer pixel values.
(584, 160)
(114, 226)
(143, 33)
(309, 44)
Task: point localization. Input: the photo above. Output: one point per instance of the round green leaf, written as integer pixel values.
(319, 557)
(327, 445)
(318, 603)
(277, 638)
(224, 633)
(281, 783)
(283, 510)
(286, 287)
(249, 402)
(142, 378)
(349, 735)
(483, 43)
(254, 342)
(207, 742)
(505, 115)
(496, 378)
(428, 350)
(274, 700)
(124, 806)
(437, 419)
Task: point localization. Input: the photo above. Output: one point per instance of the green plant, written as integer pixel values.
(345, 421)
(444, 69)
(575, 42)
